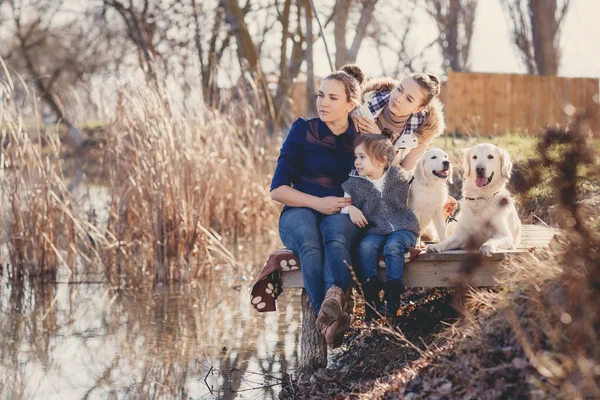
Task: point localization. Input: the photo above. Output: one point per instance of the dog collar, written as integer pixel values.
(481, 198)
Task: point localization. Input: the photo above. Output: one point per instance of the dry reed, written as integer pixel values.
(41, 227)
(181, 190)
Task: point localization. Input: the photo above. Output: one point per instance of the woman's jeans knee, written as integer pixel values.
(299, 232)
(322, 243)
(339, 235)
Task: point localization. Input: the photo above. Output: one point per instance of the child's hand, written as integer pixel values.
(450, 207)
(357, 217)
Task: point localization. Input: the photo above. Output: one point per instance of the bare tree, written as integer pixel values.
(536, 32)
(311, 105)
(218, 41)
(55, 57)
(140, 27)
(390, 32)
(341, 17)
(455, 20)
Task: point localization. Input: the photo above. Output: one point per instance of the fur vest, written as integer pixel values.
(432, 126)
(386, 211)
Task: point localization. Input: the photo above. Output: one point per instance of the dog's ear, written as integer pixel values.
(505, 164)
(450, 173)
(420, 171)
(467, 161)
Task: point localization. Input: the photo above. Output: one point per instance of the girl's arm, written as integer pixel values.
(357, 217)
(410, 161)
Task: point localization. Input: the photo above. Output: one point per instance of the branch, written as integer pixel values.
(365, 19)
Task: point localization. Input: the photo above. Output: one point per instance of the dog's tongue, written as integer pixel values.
(443, 173)
(481, 181)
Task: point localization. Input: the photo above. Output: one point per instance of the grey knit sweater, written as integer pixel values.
(386, 211)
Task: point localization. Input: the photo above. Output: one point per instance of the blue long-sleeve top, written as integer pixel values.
(314, 160)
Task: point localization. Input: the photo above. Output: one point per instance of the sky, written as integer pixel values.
(492, 49)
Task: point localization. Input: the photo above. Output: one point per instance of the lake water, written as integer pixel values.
(86, 341)
(201, 341)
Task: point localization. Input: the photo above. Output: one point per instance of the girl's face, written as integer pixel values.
(406, 98)
(332, 103)
(367, 166)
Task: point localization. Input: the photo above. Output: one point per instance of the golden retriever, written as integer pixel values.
(428, 192)
(488, 217)
(404, 145)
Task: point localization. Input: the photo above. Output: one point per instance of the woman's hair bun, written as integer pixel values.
(434, 78)
(354, 71)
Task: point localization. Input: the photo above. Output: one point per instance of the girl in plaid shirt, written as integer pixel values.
(403, 107)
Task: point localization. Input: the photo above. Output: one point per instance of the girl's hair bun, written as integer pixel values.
(354, 71)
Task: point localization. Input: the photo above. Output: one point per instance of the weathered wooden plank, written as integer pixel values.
(441, 269)
(445, 273)
(418, 273)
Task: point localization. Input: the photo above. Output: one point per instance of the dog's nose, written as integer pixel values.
(480, 170)
(446, 164)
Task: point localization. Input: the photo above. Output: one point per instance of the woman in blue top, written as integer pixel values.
(314, 161)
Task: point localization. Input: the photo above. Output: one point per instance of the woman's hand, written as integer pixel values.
(365, 125)
(331, 204)
(450, 207)
(357, 217)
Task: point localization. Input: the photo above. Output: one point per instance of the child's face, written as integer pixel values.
(367, 166)
(406, 98)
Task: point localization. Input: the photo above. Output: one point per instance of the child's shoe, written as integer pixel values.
(393, 290)
(371, 289)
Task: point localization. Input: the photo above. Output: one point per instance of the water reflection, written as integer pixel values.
(83, 341)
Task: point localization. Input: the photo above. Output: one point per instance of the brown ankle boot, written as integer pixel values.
(334, 334)
(331, 309)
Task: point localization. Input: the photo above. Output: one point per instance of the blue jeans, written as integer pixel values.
(323, 243)
(394, 246)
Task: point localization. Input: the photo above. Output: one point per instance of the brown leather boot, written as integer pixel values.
(331, 309)
(334, 334)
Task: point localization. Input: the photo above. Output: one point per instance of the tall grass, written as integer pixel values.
(40, 226)
(180, 190)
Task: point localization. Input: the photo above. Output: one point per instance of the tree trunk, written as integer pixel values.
(366, 16)
(245, 44)
(452, 36)
(544, 32)
(313, 349)
(340, 18)
(311, 104)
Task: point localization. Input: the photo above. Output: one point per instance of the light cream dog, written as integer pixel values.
(404, 145)
(429, 192)
(488, 217)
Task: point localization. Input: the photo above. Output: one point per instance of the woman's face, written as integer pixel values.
(406, 98)
(332, 103)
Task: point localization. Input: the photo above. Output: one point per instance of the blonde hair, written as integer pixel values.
(430, 84)
(351, 77)
(377, 146)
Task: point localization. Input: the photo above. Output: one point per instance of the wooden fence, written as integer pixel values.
(494, 104)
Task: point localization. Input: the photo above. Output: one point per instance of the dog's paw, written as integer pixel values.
(432, 248)
(487, 249)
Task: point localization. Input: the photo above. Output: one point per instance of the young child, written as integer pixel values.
(379, 194)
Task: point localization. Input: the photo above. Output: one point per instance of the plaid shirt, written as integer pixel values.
(380, 99)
